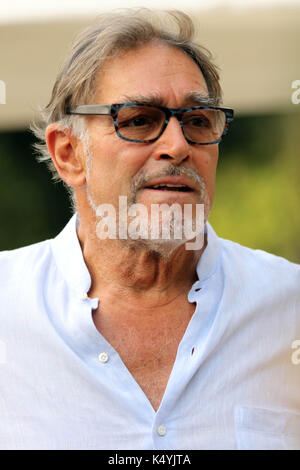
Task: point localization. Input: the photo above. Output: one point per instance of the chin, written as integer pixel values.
(159, 248)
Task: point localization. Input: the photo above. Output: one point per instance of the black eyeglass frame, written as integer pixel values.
(113, 110)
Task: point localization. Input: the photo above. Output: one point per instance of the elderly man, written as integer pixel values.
(140, 342)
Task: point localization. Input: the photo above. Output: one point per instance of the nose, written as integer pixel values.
(172, 143)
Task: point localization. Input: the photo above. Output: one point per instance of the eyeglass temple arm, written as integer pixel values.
(90, 109)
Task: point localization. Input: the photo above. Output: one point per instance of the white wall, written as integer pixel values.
(257, 51)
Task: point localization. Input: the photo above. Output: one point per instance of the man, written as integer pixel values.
(133, 342)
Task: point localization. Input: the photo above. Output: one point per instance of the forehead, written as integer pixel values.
(155, 69)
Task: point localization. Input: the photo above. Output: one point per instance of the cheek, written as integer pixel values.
(114, 165)
(207, 164)
(115, 157)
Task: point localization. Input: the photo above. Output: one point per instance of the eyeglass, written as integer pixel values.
(143, 123)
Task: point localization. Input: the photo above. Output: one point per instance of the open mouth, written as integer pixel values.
(170, 187)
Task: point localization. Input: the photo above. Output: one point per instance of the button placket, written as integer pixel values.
(84, 296)
(103, 357)
(161, 430)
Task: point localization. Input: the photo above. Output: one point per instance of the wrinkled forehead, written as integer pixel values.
(154, 73)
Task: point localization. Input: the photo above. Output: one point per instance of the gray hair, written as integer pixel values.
(115, 32)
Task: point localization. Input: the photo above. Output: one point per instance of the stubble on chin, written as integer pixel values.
(164, 248)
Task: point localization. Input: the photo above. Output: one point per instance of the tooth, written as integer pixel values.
(169, 185)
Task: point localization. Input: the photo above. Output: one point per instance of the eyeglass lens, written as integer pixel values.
(145, 123)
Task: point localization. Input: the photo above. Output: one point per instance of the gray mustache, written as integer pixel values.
(141, 180)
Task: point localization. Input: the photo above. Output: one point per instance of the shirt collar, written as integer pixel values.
(208, 261)
(70, 261)
(69, 258)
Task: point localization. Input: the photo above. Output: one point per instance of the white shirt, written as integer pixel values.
(234, 383)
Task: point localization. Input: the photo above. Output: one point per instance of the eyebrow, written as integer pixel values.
(200, 99)
(192, 98)
(153, 99)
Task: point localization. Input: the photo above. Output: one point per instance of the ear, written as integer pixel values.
(67, 153)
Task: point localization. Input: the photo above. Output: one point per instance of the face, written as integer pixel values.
(122, 168)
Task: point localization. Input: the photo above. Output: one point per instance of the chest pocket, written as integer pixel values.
(264, 429)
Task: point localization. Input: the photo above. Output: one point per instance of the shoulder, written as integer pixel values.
(23, 261)
(258, 267)
(239, 252)
(260, 289)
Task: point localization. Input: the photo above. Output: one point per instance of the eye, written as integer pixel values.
(138, 121)
(197, 121)
(139, 117)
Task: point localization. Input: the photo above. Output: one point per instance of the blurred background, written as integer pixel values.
(257, 47)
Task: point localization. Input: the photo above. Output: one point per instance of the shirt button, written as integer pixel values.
(161, 430)
(103, 357)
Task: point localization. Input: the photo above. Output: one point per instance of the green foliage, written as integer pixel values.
(32, 208)
(257, 187)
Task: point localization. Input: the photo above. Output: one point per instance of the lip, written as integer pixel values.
(170, 180)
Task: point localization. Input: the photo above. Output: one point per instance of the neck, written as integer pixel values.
(131, 269)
